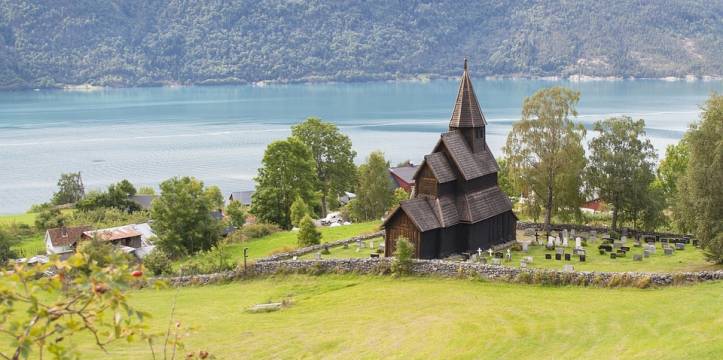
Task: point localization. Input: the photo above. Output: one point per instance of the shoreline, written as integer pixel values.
(421, 78)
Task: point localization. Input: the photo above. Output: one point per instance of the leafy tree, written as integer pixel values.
(672, 167)
(699, 190)
(503, 178)
(621, 166)
(374, 190)
(7, 241)
(49, 219)
(545, 150)
(403, 255)
(308, 234)
(82, 298)
(287, 172)
(117, 196)
(398, 196)
(236, 213)
(333, 156)
(299, 210)
(215, 197)
(146, 190)
(158, 263)
(182, 217)
(105, 218)
(70, 189)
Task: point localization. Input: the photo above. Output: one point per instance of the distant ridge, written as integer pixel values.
(150, 43)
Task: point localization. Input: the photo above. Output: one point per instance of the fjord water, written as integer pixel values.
(218, 134)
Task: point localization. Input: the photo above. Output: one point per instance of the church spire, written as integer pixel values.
(466, 113)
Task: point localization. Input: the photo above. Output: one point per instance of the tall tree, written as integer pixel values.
(374, 190)
(700, 189)
(621, 166)
(671, 168)
(333, 156)
(545, 149)
(287, 172)
(70, 189)
(236, 214)
(182, 217)
(117, 196)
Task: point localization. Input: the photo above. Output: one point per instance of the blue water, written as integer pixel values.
(218, 134)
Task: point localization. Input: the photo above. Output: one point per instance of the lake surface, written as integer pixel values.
(218, 134)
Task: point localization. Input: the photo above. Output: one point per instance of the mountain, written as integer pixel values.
(50, 43)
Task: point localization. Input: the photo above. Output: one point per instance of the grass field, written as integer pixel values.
(354, 317)
(286, 240)
(25, 218)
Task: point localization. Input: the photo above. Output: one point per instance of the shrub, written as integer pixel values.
(158, 263)
(299, 210)
(308, 234)
(402, 262)
(643, 282)
(255, 231)
(615, 281)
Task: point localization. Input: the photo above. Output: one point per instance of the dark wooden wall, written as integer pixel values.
(400, 226)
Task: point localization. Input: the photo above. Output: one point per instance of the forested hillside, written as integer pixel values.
(48, 43)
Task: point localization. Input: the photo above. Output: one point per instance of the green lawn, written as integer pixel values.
(25, 218)
(286, 240)
(353, 251)
(366, 317)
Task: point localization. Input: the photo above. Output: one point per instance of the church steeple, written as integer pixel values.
(467, 116)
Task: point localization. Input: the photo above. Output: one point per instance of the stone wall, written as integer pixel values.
(315, 248)
(453, 269)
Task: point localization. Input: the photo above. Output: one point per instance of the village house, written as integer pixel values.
(62, 241)
(244, 197)
(403, 176)
(457, 205)
(136, 239)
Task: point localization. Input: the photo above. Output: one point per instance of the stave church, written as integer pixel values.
(456, 205)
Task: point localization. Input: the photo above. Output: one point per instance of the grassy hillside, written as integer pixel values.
(382, 317)
(120, 43)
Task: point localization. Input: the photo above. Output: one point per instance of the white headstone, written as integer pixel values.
(525, 246)
(371, 244)
(550, 241)
(509, 255)
(558, 242)
(490, 251)
(479, 252)
(569, 268)
(565, 235)
(564, 242)
(623, 239)
(578, 242)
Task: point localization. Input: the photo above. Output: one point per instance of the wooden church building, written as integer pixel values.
(456, 205)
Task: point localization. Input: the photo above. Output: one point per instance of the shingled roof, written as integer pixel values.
(440, 167)
(470, 165)
(480, 205)
(467, 111)
(421, 213)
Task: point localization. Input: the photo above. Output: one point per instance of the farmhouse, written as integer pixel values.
(133, 238)
(63, 240)
(403, 176)
(456, 205)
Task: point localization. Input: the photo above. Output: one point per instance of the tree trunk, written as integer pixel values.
(324, 209)
(548, 208)
(615, 218)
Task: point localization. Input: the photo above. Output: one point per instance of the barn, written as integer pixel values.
(456, 205)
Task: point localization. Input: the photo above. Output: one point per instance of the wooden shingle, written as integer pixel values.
(440, 167)
(467, 112)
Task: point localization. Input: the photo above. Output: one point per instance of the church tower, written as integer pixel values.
(467, 118)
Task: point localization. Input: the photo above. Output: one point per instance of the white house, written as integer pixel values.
(63, 240)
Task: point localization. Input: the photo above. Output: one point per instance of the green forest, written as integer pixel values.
(52, 43)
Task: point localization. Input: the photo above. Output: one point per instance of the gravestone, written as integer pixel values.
(558, 256)
(371, 244)
(565, 236)
(499, 255)
(550, 242)
(625, 248)
(496, 261)
(568, 268)
(646, 253)
(593, 235)
(523, 264)
(509, 255)
(318, 255)
(567, 257)
(695, 242)
(679, 246)
(525, 246)
(578, 243)
(623, 239)
(295, 258)
(564, 242)
(373, 255)
(359, 243)
(572, 233)
(558, 241)
(582, 258)
(668, 251)
(483, 260)
(528, 259)
(490, 251)
(637, 257)
(548, 256)
(613, 255)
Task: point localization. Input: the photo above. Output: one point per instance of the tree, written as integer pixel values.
(117, 196)
(49, 219)
(182, 217)
(671, 168)
(236, 214)
(621, 166)
(7, 241)
(299, 210)
(214, 197)
(699, 190)
(544, 149)
(308, 234)
(503, 178)
(398, 196)
(81, 298)
(146, 190)
(287, 172)
(333, 155)
(70, 189)
(403, 254)
(374, 190)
